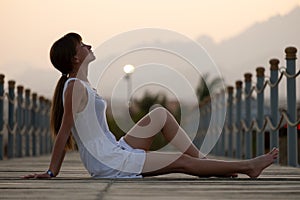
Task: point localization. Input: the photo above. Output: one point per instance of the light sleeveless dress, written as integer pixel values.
(101, 154)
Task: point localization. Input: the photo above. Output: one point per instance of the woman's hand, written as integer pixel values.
(37, 176)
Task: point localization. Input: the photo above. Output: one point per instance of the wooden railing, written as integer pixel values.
(24, 122)
(245, 135)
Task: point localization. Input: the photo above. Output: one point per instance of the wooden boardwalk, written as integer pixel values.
(74, 183)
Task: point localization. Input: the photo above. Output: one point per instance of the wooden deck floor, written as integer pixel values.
(74, 183)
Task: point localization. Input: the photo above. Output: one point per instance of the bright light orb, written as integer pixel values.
(128, 69)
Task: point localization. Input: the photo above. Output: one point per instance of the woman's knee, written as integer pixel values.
(159, 114)
(159, 111)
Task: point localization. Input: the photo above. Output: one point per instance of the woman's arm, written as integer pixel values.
(59, 151)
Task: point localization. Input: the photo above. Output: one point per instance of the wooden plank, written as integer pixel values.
(74, 182)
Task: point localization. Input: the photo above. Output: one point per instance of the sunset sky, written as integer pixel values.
(28, 28)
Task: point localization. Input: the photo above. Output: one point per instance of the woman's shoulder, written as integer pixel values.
(76, 93)
(72, 83)
(74, 87)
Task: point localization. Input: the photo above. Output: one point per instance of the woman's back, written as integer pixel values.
(99, 150)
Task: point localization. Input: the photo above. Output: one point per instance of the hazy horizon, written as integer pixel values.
(30, 27)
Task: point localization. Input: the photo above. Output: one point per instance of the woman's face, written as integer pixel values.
(84, 53)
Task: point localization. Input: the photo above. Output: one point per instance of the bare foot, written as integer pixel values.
(258, 164)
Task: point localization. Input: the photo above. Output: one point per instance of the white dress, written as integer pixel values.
(101, 154)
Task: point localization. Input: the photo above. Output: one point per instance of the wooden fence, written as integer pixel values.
(245, 135)
(24, 122)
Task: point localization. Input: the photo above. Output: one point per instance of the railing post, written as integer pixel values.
(219, 119)
(238, 117)
(1, 114)
(215, 109)
(206, 121)
(27, 122)
(248, 118)
(274, 134)
(11, 109)
(214, 121)
(222, 139)
(49, 139)
(229, 120)
(34, 123)
(46, 139)
(41, 124)
(291, 106)
(19, 143)
(260, 135)
(198, 139)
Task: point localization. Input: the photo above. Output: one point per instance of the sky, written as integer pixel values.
(28, 28)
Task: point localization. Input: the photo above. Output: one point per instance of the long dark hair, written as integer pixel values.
(62, 54)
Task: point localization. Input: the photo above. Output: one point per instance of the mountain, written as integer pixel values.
(235, 56)
(255, 46)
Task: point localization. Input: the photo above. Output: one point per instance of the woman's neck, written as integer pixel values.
(81, 74)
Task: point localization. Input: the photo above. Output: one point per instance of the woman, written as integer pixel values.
(72, 116)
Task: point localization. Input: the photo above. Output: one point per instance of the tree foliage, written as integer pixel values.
(206, 86)
(147, 102)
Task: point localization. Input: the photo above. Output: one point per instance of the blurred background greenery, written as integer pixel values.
(140, 107)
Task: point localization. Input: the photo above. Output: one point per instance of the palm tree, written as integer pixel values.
(205, 87)
(147, 101)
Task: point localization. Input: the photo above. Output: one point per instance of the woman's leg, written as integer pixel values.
(164, 163)
(161, 120)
